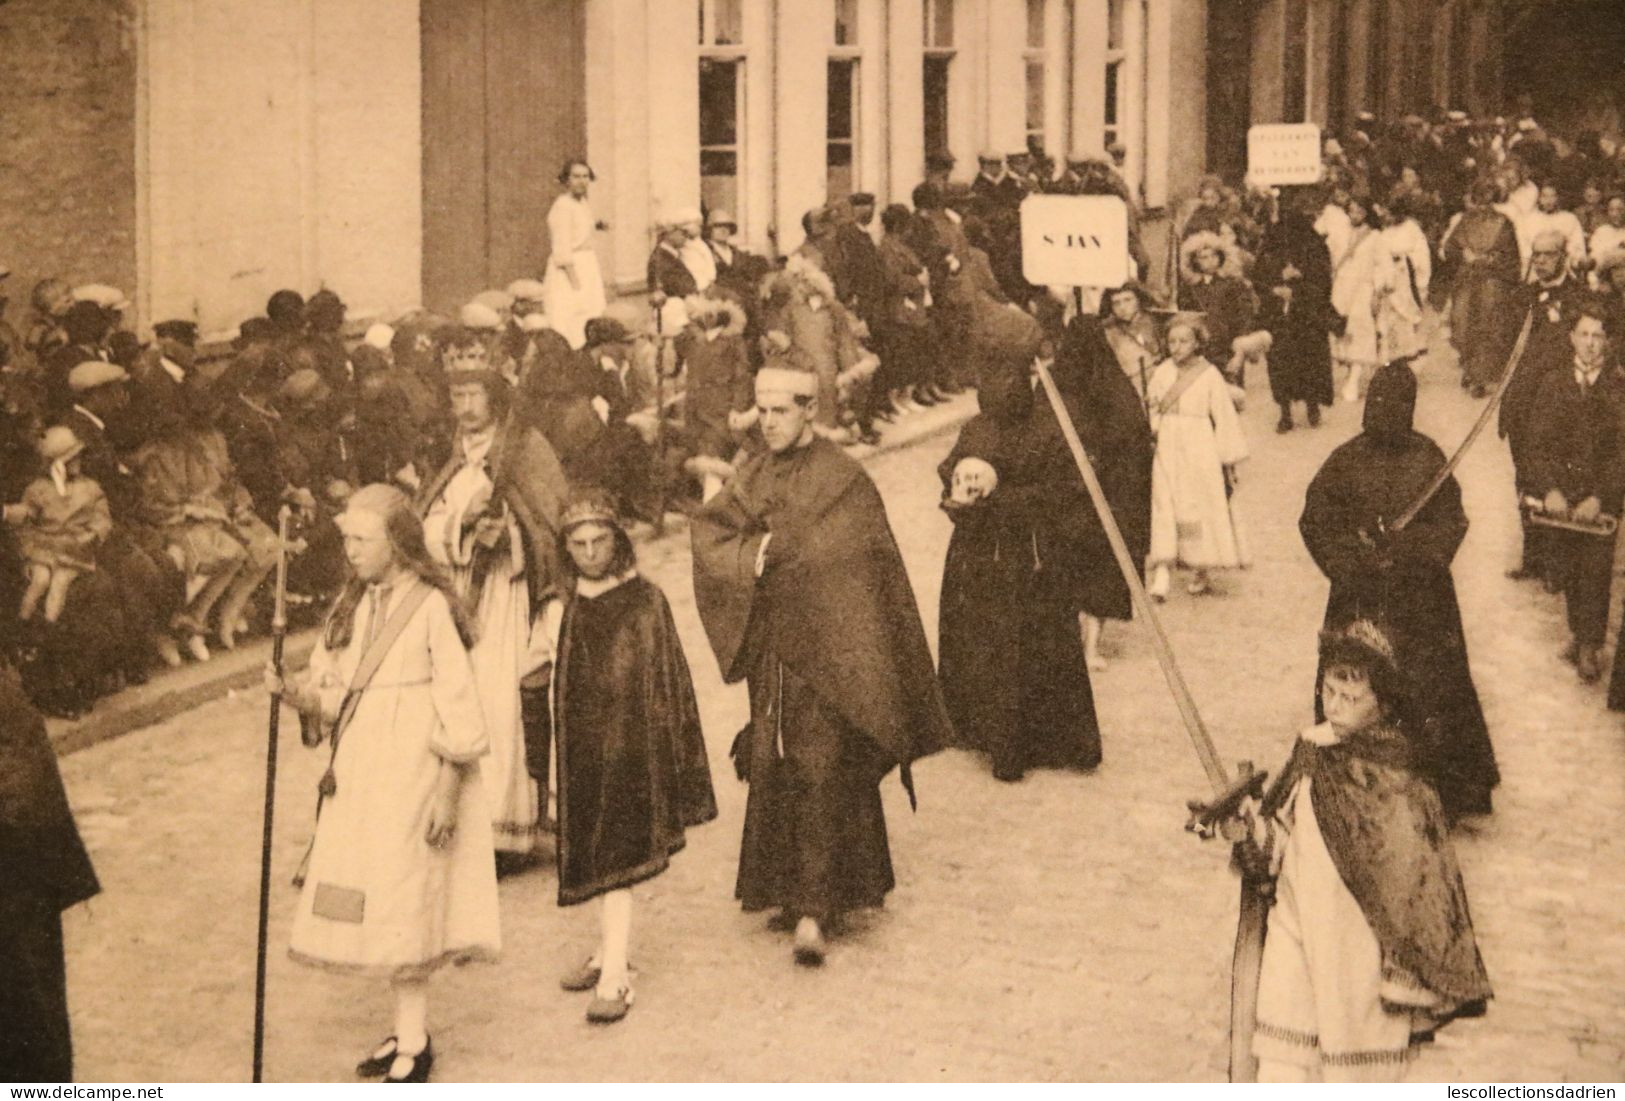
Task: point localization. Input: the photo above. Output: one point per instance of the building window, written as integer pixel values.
(939, 56)
(1116, 55)
(846, 22)
(1034, 58)
(721, 22)
(722, 101)
(1376, 76)
(841, 157)
(1295, 62)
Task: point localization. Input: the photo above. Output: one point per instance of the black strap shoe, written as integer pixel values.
(377, 1064)
(421, 1062)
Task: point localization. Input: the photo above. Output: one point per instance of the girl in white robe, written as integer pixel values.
(573, 288)
(1356, 283)
(1199, 442)
(399, 880)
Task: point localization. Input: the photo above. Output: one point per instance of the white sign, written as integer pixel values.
(1284, 154)
(1074, 240)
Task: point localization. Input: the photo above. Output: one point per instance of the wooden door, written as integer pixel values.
(504, 104)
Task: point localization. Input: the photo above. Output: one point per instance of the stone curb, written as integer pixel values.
(174, 692)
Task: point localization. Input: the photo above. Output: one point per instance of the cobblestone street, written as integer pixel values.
(1064, 928)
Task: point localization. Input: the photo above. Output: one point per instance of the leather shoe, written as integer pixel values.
(606, 1011)
(582, 978)
(377, 1064)
(419, 1071)
(810, 947)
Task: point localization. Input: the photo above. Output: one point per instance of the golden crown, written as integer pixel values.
(589, 509)
(1368, 634)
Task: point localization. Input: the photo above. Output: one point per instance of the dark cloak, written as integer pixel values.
(1112, 426)
(1388, 838)
(841, 681)
(45, 870)
(1402, 582)
(633, 772)
(1300, 360)
(1484, 318)
(1011, 657)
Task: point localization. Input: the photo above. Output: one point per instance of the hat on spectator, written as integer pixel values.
(686, 216)
(606, 330)
(1525, 125)
(59, 444)
(631, 315)
(176, 329)
(722, 218)
(526, 290)
(534, 322)
(939, 160)
(93, 373)
(109, 298)
(1456, 116)
(301, 386)
(990, 155)
(861, 198)
(1609, 262)
(478, 315)
(255, 328)
(379, 336)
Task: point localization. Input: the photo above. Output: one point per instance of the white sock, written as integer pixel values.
(411, 1018)
(616, 923)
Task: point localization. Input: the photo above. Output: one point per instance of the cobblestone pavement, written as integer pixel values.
(1060, 929)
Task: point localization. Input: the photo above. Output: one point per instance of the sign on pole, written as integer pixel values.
(1283, 154)
(1074, 240)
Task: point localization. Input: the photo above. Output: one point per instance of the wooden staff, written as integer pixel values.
(1227, 788)
(279, 631)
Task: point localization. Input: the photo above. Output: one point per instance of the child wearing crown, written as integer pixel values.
(633, 773)
(1370, 947)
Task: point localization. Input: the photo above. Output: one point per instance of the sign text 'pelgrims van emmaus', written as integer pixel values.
(1283, 154)
(1074, 240)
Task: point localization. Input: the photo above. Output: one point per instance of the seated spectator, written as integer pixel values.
(720, 402)
(51, 301)
(86, 326)
(62, 519)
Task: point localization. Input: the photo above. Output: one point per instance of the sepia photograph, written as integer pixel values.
(812, 541)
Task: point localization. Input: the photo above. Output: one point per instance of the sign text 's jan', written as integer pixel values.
(1283, 154)
(1074, 240)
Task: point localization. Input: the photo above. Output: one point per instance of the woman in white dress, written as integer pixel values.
(1199, 442)
(400, 880)
(573, 289)
(1410, 262)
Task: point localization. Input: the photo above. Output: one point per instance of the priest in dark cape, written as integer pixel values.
(1402, 582)
(1011, 659)
(44, 869)
(633, 772)
(804, 595)
(1293, 274)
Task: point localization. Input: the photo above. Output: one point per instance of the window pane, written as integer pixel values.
(719, 102)
(1035, 96)
(1295, 62)
(842, 77)
(846, 22)
(1114, 74)
(1035, 24)
(726, 25)
(840, 171)
(936, 104)
(939, 23)
(1114, 24)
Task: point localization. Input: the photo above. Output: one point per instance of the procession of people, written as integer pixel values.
(467, 495)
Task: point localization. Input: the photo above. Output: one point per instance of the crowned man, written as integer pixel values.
(492, 515)
(803, 594)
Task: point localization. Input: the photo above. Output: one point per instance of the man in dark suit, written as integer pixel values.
(1576, 466)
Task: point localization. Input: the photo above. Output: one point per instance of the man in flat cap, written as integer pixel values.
(804, 596)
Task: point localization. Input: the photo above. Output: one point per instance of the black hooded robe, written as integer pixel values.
(633, 773)
(841, 684)
(1300, 361)
(1116, 436)
(1010, 658)
(1403, 583)
(44, 869)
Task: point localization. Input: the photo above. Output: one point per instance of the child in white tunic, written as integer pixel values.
(400, 880)
(1370, 947)
(1199, 443)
